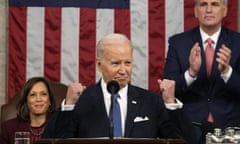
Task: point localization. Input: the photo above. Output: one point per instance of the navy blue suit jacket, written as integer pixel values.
(90, 119)
(206, 94)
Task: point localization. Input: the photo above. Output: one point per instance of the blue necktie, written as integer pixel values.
(117, 124)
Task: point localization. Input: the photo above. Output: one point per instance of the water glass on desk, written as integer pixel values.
(22, 138)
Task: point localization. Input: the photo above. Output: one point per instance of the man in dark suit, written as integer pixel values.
(143, 113)
(213, 96)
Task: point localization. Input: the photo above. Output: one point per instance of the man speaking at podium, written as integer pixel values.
(114, 108)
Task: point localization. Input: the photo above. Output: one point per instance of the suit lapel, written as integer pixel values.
(100, 106)
(133, 106)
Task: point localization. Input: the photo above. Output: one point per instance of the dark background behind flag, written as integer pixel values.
(57, 39)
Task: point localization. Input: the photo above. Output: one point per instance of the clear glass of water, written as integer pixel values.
(22, 138)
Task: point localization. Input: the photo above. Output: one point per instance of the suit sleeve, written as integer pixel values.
(183, 124)
(233, 83)
(175, 66)
(4, 138)
(175, 124)
(60, 125)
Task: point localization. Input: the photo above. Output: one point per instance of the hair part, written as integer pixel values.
(22, 107)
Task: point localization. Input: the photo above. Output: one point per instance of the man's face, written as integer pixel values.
(116, 63)
(210, 13)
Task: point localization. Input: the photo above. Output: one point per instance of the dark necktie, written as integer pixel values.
(209, 52)
(116, 113)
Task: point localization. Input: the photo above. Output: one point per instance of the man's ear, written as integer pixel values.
(98, 63)
(195, 12)
(225, 11)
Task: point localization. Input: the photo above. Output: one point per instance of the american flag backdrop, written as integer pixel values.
(57, 38)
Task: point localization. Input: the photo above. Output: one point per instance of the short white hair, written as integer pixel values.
(113, 38)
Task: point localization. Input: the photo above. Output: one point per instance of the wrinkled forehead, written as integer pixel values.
(223, 1)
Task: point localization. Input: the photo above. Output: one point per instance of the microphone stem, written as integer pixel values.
(111, 118)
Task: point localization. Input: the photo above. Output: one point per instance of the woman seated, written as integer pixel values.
(33, 111)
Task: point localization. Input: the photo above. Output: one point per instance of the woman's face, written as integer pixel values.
(38, 100)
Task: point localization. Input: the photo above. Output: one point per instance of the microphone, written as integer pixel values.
(205, 126)
(113, 88)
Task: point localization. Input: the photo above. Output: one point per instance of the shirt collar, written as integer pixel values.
(205, 36)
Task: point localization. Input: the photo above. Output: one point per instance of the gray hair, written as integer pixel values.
(224, 1)
(110, 39)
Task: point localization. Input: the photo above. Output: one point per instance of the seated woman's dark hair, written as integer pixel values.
(22, 107)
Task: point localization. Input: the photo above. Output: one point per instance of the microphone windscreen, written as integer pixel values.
(113, 87)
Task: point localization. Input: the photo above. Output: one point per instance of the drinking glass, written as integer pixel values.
(22, 138)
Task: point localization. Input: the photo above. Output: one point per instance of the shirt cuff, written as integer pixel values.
(66, 107)
(227, 75)
(189, 79)
(174, 106)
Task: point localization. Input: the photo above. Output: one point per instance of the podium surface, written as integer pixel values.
(110, 141)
